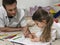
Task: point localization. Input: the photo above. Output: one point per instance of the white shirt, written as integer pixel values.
(38, 31)
(57, 27)
(35, 29)
(17, 20)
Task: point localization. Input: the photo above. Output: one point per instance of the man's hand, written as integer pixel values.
(10, 29)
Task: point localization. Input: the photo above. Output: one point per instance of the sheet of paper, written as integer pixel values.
(27, 41)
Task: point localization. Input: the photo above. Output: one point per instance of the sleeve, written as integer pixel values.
(23, 22)
(1, 20)
(57, 28)
(53, 34)
(23, 18)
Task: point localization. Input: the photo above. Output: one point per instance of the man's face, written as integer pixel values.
(11, 9)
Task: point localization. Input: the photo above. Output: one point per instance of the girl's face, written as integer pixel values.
(41, 24)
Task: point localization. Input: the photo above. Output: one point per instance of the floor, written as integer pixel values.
(57, 42)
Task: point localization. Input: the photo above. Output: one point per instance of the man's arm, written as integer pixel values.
(9, 29)
(27, 32)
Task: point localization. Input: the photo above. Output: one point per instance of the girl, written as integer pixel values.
(41, 30)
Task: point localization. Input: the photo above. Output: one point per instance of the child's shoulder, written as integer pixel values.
(54, 26)
(30, 22)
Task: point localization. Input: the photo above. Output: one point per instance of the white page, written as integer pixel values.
(27, 41)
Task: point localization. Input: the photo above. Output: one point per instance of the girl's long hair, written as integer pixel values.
(40, 15)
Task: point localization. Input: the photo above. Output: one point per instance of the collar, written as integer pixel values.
(4, 11)
(16, 15)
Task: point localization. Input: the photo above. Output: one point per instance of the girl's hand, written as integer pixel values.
(35, 40)
(32, 35)
(26, 34)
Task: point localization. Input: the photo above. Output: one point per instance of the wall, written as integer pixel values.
(30, 3)
(53, 2)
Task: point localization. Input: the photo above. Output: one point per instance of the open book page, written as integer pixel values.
(8, 35)
(26, 41)
(6, 42)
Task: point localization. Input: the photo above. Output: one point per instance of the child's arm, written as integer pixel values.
(27, 32)
(36, 39)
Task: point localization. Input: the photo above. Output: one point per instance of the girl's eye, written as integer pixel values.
(37, 23)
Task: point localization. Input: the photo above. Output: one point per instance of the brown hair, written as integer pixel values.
(40, 15)
(8, 2)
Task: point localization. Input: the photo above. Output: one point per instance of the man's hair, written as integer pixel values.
(8, 2)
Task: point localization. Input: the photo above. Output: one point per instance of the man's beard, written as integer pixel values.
(10, 16)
